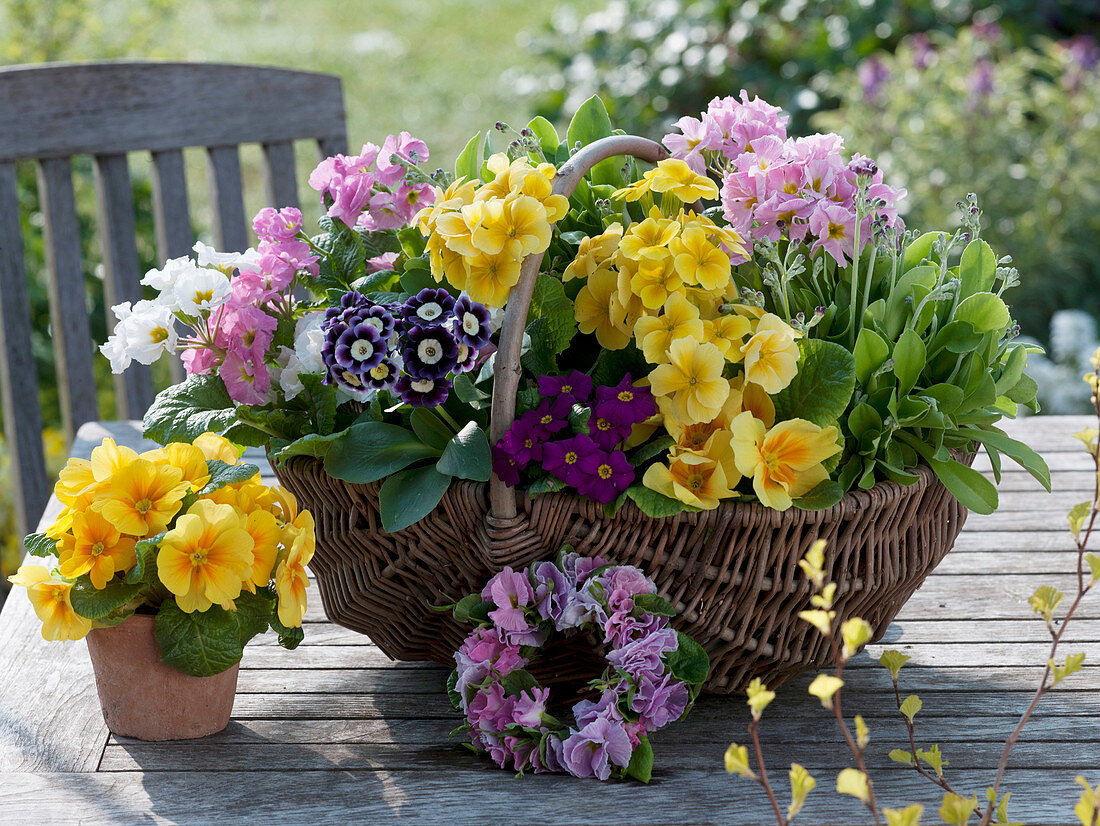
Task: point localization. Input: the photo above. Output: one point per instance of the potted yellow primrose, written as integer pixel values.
(169, 562)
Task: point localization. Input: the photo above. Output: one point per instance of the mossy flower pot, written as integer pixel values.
(144, 698)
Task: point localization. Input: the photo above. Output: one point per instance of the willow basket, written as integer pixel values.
(732, 573)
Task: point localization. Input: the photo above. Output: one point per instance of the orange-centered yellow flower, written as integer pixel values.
(655, 334)
(594, 252)
(592, 310)
(206, 558)
(97, 549)
(109, 458)
(189, 459)
(266, 536)
(490, 278)
(690, 477)
(649, 238)
(291, 580)
(698, 261)
(693, 379)
(785, 461)
(675, 177)
(49, 597)
(727, 333)
(771, 354)
(141, 498)
(654, 281)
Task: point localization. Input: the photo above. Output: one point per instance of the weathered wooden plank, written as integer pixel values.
(327, 147)
(280, 180)
(62, 109)
(481, 794)
(972, 539)
(170, 205)
(133, 387)
(223, 166)
(70, 331)
(18, 374)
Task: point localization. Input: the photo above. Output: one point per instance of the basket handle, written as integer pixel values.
(506, 367)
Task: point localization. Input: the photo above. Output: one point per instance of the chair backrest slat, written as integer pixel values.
(18, 375)
(134, 387)
(327, 147)
(280, 180)
(71, 333)
(223, 164)
(51, 113)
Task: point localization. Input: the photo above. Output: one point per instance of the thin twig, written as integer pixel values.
(853, 747)
(762, 779)
(935, 778)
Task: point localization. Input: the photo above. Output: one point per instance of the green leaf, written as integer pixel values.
(516, 682)
(145, 569)
(1094, 566)
(589, 124)
(547, 484)
(429, 428)
(95, 604)
(901, 756)
(222, 474)
(641, 761)
(547, 135)
(199, 644)
(934, 758)
(689, 662)
(252, 615)
(654, 504)
(824, 495)
(909, 360)
(472, 609)
(653, 604)
(369, 451)
(38, 544)
(1020, 453)
(909, 816)
(870, 352)
(972, 489)
(956, 810)
(822, 388)
(467, 455)
(853, 782)
(323, 401)
(957, 337)
(184, 411)
(409, 496)
(452, 690)
(551, 324)
(977, 269)
(467, 391)
(893, 661)
(468, 164)
(920, 249)
(312, 444)
(986, 312)
(910, 706)
(289, 638)
(651, 449)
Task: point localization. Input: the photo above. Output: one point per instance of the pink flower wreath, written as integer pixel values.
(653, 673)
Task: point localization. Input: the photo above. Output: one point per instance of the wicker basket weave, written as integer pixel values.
(732, 573)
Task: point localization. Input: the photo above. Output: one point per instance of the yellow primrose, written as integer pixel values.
(266, 536)
(649, 238)
(656, 334)
(693, 379)
(445, 262)
(217, 447)
(695, 435)
(539, 185)
(291, 579)
(751, 397)
(625, 310)
(655, 281)
(727, 333)
(97, 549)
(49, 596)
(675, 177)
(593, 253)
(490, 278)
(514, 228)
(454, 197)
(698, 261)
(635, 191)
(691, 478)
(206, 558)
(108, 458)
(771, 354)
(592, 309)
(722, 236)
(189, 459)
(75, 478)
(785, 461)
(457, 228)
(142, 498)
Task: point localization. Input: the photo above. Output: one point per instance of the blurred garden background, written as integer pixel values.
(1004, 94)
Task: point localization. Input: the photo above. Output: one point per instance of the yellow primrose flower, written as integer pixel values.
(722, 236)
(625, 310)
(656, 334)
(217, 447)
(490, 278)
(675, 177)
(690, 477)
(649, 238)
(456, 196)
(108, 458)
(514, 227)
(771, 355)
(97, 549)
(49, 597)
(538, 184)
(189, 459)
(457, 228)
(142, 498)
(752, 398)
(655, 281)
(594, 252)
(266, 536)
(693, 379)
(635, 191)
(282, 503)
(206, 558)
(727, 333)
(291, 580)
(445, 262)
(698, 261)
(785, 461)
(75, 478)
(592, 309)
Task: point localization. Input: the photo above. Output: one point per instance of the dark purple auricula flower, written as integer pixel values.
(419, 392)
(505, 466)
(467, 358)
(576, 385)
(430, 306)
(358, 348)
(605, 476)
(471, 322)
(429, 352)
(351, 304)
(623, 404)
(381, 318)
(382, 375)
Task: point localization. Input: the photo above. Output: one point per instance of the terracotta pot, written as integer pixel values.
(142, 697)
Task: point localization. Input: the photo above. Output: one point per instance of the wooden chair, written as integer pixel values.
(51, 112)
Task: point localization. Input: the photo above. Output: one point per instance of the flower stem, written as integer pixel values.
(763, 778)
(445, 416)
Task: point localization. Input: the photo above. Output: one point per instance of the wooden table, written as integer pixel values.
(336, 733)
